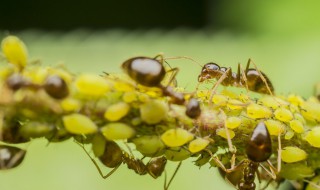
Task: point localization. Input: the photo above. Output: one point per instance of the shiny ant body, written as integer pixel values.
(252, 79)
(10, 156)
(150, 72)
(258, 150)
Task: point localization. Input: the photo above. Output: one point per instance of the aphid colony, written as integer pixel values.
(267, 138)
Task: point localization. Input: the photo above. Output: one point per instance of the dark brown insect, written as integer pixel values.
(258, 150)
(250, 78)
(150, 72)
(10, 156)
(56, 87)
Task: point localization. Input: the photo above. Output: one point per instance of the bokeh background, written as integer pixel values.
(282, 37)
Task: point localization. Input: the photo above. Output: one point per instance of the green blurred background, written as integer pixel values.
(282, 37)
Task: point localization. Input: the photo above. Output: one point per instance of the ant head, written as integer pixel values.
(209, 71)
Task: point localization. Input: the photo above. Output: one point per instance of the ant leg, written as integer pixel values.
(260, 74)
(313, 184)
(243, 76)
(96, 164)
(173, 76)
(159, 57)
(214, 88)
(232, 148)
(15, 158)
(166, 186)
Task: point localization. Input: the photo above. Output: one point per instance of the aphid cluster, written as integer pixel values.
(266, 138)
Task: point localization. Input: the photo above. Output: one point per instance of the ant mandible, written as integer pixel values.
(150, 72)
(253, 79)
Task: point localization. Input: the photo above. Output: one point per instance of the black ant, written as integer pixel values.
(10, 156)
(150, 72)
(253, 79)
(258, 150)
(113, 156)
(54, 85)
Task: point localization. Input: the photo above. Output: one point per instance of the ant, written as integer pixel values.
(150, 72)
(54, 85)
(10, 156)
(113, 156)
(258, 150)
(252, 79)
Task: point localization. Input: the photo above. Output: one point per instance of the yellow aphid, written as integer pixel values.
(15, 51)
(256, 111)
(292, 154)
(220, 100)
(295, 99)
(222, 133)
(203, 94)
(123, 86)
(117, 131)
(299, 117)
(235, 104)
(275, 127)
(153, 111)
(283, 114)
(176, 137)
(129, 97)
(177, 154)
(116, 111)
(198, 144)
(233, 122)
(149, 145)
(311, 111)
(313, 137)
(244, 97)
(229, 93)
(70, 104)
(92, 85)
(272, 102)
(297, 126)
(289, 134)
(37, 76)
(79, 124)
(98, 144)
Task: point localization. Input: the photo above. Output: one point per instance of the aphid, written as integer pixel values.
(150, 72)
(10, 156)
(252, 79)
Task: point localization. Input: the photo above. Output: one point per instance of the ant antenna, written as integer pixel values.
(184, 57)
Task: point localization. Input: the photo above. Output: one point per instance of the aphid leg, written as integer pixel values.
(96, 164)
(215, 86)
(166, 186)
(260, 74)
(313, 184)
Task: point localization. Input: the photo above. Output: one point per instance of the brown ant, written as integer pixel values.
(258, 150)
(113, 156)
(150, 72)
(10, 156)
(253, 79)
